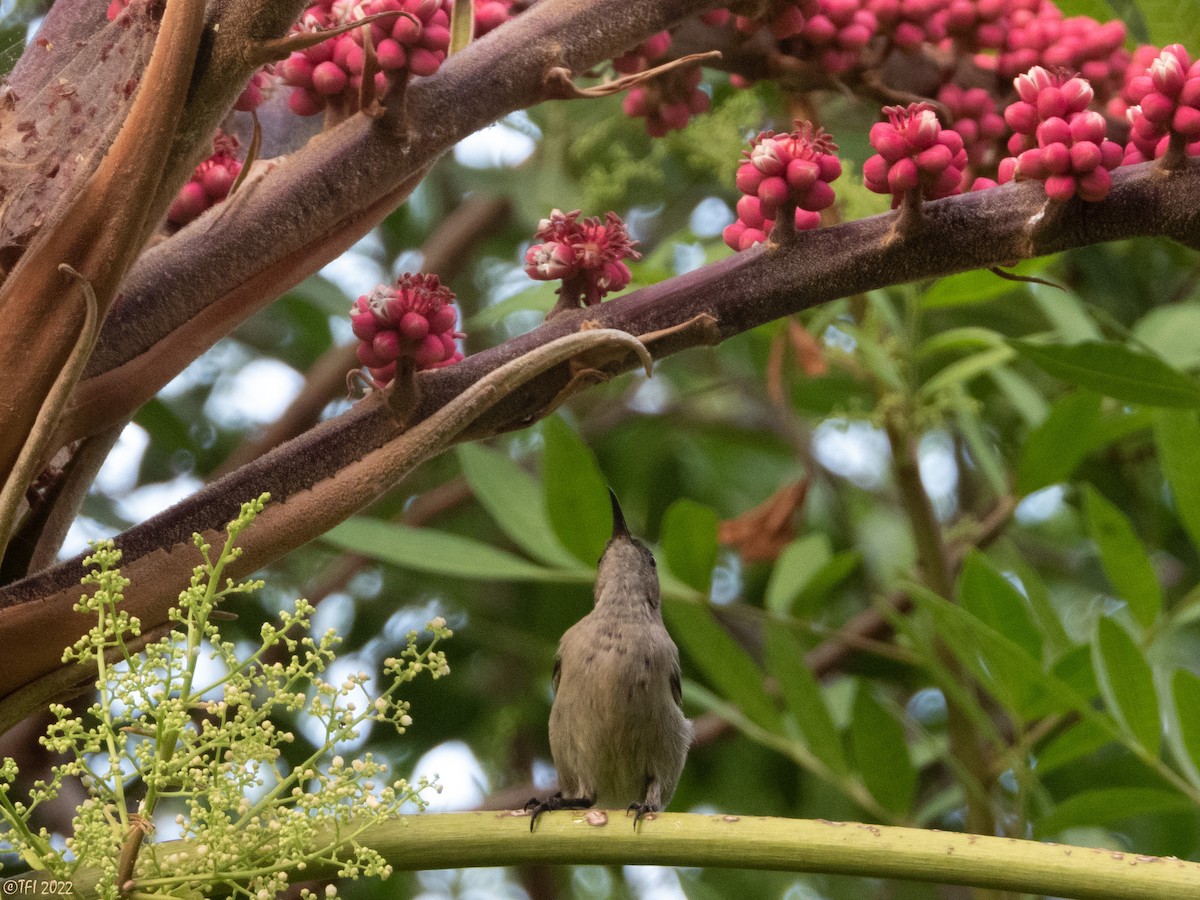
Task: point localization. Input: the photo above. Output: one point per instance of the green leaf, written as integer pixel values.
(978, 286)
(1127, 684)
(725, 665)
(513, 498)
(1010, 674)
(1044, 612)
(794, 569)
(1177, 434)
(992, 598)
(1025, 398)
(1171, 22)
(439, 553)
(1115, 370)
(1170, 331)
(1054, 448)
(576, 492)
(1104, 806)
(1123, 557)
(881, 754)
(824, 580)
(1081, 739)
(802, 694)
(1185, 713)
(963, 370)
(983, 448)
(689, 542)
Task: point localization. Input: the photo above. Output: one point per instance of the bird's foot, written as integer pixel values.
(641, 809)
(536, 807)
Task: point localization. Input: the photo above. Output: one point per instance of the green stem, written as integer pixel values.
(456, 840)
(966, 747)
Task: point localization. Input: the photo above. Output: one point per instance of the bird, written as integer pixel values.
(618, 734)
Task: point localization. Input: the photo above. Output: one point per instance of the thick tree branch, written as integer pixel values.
(194, 288)
(454, 840)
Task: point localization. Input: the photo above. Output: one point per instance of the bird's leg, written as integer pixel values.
(652, 803)
(536, 807)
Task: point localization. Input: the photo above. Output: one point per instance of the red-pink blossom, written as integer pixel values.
(914, 152)
(782, 171)
(586, 255)
(413, 318)
(210, 182)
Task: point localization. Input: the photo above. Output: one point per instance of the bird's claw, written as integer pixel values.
(639, 810)
(536, 807)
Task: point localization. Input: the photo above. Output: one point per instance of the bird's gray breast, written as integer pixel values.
(615, 723)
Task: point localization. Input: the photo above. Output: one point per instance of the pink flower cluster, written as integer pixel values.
(973, 115)
(835, 35)
(910, 23)
(585, 254)
(1038, 35)
(414, 318)
(330, 73)
(914, 154)
(667, 101)
(491, 14)
(978, 24)
(1167, 95)
(210, 182)
(783, 18)
(1058, 140)
(783, 171)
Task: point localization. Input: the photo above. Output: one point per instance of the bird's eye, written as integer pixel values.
(653, 561)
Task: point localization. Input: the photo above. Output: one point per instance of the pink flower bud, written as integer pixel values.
(329, 78)
(1167, 72)
(1088, 126)
(1157, 108)
(1053, 131)
(425, 62)
(1021, 117)
(413, 326)
(750, 211)
(431, 351)
(191, 201)
(801, 174)
(768, 157)
(748, 178)
(890, 144)
(819, 196)
(903, 176)
(1056, 158)
(1085, 156)
(772, 192)
(390, 54)
(1060, 187)
(304, 102)
(386, 345)
(443, 319)
(363, 324)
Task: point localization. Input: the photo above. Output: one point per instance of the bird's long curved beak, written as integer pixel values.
(620, 529)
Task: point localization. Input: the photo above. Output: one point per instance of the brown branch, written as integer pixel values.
(195, 287)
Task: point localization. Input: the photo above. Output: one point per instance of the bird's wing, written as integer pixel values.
(676, 687)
